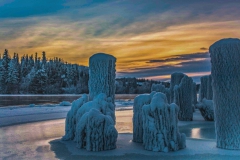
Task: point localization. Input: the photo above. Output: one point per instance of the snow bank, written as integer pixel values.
(206, 88)
(139, 102)
(206, 109)
(225, 56)
(160, 129)
(70, 123)
(102, 75)
(95, 129)
(183, 98)
(161, 88)
(65, 103)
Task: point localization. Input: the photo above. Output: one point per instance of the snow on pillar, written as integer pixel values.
(160, 126)
(139, 102)
(102, 75)
(183, 98)
(225, 56)
(175, 80)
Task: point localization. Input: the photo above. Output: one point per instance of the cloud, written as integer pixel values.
(182, 57)
(193, 64)
(203, 48)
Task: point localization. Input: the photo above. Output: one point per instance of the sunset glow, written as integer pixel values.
(140, 34)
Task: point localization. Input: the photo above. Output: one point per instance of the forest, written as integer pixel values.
(34, 74)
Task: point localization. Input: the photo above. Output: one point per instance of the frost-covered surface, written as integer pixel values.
(206, 88)
(71, 120)
(175, 80)
(139, 102)
(102, 75)
(206, 109)
(160, 126)
(225, 55)
(95, 129)
(183, 98)
(161, 88)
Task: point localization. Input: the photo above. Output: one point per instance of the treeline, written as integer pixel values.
(38, 75)
(135, 86)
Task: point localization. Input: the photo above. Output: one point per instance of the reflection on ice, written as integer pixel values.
(203, 131)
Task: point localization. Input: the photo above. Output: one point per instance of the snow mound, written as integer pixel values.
(65, 103)
(160, 129)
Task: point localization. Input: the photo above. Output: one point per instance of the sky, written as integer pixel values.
(150, 38)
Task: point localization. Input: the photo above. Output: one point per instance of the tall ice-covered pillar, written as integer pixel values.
(225, 56)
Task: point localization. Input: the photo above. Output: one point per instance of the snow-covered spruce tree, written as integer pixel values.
(102, 75)
(206, 88)
(225, 56)
(183, 98)
(175, 80)
(95, 129)
(71, 120)
(161, 88)
(160, 126)
(139, 102)
(206, 109)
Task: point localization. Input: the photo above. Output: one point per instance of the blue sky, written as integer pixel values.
(150, 39)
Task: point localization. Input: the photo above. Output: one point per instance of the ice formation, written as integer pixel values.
(161, 88)
(71, 120)
(175, 80)
(206, 88)
(225, 56)
(194, 95)
(95, 129)
(160, 128)
(206, 109)
(139, 102)
(183, 98)
(102, 75)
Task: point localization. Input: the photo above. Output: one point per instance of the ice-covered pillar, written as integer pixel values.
(160, 126)
(102, 75)
(161, 88)
(194, 95)
(183, 98)
(139, 102)
(206, 88)
(225, 56)
(175, 80)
